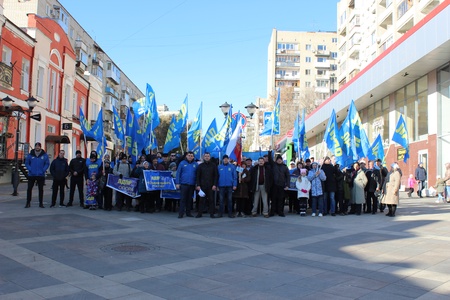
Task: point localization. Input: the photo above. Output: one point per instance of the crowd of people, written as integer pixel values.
(221, 187)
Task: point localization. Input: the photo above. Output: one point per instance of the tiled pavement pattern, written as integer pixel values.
(71, 253)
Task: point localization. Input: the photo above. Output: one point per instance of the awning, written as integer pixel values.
(58, 139)
(88, 138)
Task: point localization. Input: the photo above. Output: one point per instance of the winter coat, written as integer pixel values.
(359, 183)
(339, 181)
(316, 181)
(372, 180)
(303, 187)
(440, 186)
(227, 175)
(103, 179)
(281, 175)
(139, 173)
(206, 175)
(77, 165)
(59, 169)
(186, 172)
(392, 187)
(242, 188)
(330, 183)
(123, 168)
(421, 173)
(268, 178)
(37, 165)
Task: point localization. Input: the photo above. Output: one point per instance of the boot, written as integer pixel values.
(27, 205)
(389, 214)
(41, 205)
(394, 208)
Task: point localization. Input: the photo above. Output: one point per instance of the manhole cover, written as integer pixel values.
(129, 248)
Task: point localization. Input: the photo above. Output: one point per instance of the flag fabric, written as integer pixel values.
(224, 134)
(194, 134)
(365, 145)
(355, 131)
(101, 148)
(153, 107)
(118, 127)
(85, 126)
(296, 134)
(376, 149)
(272, 121)
(172, 139)
(129, 132)
(234, 147)
(209, 143)
(143, 105)
(181, 118)
(401, 136)
(304, 150)
(332, 139)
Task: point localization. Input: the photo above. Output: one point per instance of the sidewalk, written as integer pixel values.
(72, 253)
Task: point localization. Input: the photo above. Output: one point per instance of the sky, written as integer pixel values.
(212, 51)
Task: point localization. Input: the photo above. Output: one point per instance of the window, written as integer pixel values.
(322, 83)
(321, 72)
(307, 72)
(333, 67)
(75, 109)
(281, 72)
(308, 47)
(97, 71)
(334, 40)
(294, 73)
(307, 84)
(51, 129)
(67, 98)
(334, 55)
(6, 55)
(94, 111)
(308, 59)
(71, 33)
(53, 91)
(321, 47)
(40, 82)
(373, 38)
(25, 75)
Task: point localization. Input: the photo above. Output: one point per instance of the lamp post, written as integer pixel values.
(251, 109)
(225, 108)
(8, 105)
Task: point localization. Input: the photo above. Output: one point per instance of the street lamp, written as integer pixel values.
(251, 109)
(225, 108)
(8, 107)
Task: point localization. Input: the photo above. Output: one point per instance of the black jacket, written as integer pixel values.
(206, 175)
(59, 168)
(268, 178)
(330, 183)
(77, 165)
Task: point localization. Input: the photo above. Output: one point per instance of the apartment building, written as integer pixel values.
(409, 78)
(366, 28)
(97, 82)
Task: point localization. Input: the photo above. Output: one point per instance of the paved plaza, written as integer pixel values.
(72, 253)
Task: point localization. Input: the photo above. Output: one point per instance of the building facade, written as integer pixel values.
(408, 78)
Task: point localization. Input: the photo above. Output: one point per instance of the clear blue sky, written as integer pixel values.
(214, 51)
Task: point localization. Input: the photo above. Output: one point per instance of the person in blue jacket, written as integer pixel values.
(37, 163)
(185, 182)
(227, 184)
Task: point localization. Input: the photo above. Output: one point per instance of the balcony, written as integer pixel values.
(322, 53)
(6, 73)
(322, 90)
(281, 64)
(323, 77)
(406, 21)
(79, 44)
(287, 77)
(425, 6)
(322, 65)
(111, 91)
(386, 18)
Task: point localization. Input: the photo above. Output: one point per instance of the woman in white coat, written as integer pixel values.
(391, 197)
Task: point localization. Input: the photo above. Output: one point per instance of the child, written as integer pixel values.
(91, 192)
(411, 183)
(303, 186)
(440, 186)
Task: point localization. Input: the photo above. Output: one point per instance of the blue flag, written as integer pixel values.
(304, 150)
(333, 140)
(118, 127)
(172, 139)
(194, 134)
(85, 126)
(224, 134)
(272, 121)
(101, 148)
(153, 107)
(376, 150)
(296, 134)
(401, 136)
(209, 143)
(181, 118)
(143, 105)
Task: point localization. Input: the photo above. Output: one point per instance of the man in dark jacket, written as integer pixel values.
(77, 168)
(281, 180)
(59, 170)
(330, 187)
(421, 177)
(372, 185)
(37, 163)
(261, 184)
(205, 181)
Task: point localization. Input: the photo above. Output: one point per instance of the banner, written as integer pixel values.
(126, 185)
(292, 183)
(171, 194)
(158, 180)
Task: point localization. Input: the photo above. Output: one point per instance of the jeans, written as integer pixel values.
(326, 196)
(78, 182)
(226, 191)
(421, 187)
(187, 192)
(40, 181)
(317, 200)
(447, 192)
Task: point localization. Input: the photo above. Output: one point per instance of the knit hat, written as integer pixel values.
(279, 157)
(303, 171)
(172, 165)
(225, 156)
